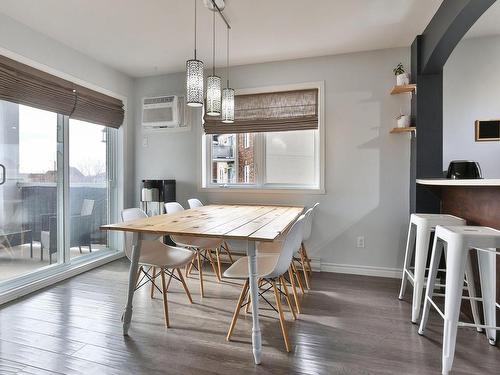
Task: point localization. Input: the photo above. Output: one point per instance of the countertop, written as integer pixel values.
(451, 182)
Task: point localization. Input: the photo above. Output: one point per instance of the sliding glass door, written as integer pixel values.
(28, 189)
(56, 189)
(90, 189)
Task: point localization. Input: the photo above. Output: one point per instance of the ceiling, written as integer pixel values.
(148, 37)
(488, 24)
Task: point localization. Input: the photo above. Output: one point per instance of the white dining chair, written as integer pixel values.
(203, 247)
(195, 203)
(304, 259)
(276, 247)
(158, 258)
(271, 268)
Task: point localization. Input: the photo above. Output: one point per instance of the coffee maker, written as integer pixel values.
(155, 193)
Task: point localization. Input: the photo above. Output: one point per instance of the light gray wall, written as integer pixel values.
(472, 92)
(367, 169)
(21, 40)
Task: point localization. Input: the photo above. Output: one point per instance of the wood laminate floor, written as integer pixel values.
(349, 325)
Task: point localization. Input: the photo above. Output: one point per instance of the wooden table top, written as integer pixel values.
(241, 222)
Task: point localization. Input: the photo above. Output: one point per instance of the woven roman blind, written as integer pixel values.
(269, 112)
(23, 84)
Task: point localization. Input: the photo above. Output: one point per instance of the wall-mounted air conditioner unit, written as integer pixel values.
(164, 113)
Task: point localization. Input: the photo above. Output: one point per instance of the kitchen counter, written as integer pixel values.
(465, 182)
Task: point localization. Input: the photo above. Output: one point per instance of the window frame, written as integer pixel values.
(260, 185)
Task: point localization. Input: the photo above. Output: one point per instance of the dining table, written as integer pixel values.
(247, 223)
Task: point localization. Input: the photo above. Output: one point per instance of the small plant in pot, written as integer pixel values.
(402, 78)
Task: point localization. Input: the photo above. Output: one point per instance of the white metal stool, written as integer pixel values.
(419, 234)
(457, 241)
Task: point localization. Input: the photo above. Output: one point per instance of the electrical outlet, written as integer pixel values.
(145, 141)
(360, 242)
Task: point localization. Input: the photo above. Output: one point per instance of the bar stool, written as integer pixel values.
(419, 234)
(459, 240)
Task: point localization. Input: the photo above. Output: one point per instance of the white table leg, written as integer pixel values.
(254, 292)
(132, 280)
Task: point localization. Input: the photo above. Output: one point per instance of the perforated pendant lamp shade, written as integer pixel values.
(213, 95)
(194, 76)
(227, 106)
(194, 83)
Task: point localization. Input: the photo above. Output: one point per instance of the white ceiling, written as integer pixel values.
(148, 37)
(488, 24)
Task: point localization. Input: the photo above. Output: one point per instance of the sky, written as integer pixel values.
(38, 143)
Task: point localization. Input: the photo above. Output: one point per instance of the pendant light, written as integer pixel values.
(194, 76)
(213, 83)
(227, 93)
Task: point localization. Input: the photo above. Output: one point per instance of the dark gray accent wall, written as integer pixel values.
(429, 53)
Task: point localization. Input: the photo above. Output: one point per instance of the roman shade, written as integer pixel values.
(23, 84)
(269, 112)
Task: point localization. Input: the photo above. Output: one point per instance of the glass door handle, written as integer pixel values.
(2, 181)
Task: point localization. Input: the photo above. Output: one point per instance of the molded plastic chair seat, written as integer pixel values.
(265, 267)
(274, 247)
(197, 242)
(155, 253)
(194, 202)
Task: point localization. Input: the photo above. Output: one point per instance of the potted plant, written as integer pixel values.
(402, 78)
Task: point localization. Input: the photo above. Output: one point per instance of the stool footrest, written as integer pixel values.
(464, 324)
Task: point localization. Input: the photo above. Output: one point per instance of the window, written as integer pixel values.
(271, 157)
(286, 160)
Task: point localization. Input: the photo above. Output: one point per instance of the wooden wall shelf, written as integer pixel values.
(403, 130)
(404, 88)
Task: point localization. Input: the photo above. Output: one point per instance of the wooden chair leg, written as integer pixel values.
(304, 269)
(248, 303)
(186, 270)
(200, 273)
(219, 268)
(169, 281)
(308, 260)
(191, 265)
(287, 297)
(184, 285)
(297, 276)
(228, 251)
(294, 289)
(237, 310)
(212, 263)
(138, 276)
(153, 285)
(165, 302)
(282, 316)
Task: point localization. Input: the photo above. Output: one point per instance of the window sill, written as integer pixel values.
(263, 190)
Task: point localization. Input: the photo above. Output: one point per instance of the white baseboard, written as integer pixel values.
(361, 270)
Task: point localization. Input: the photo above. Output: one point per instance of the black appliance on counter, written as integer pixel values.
(155, 193)
(464, 169)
